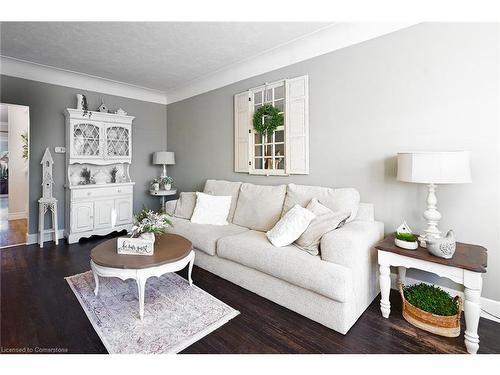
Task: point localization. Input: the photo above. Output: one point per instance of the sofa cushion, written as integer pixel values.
(203, 236)
(211, 209)
(259, 207)
(252, 249)
(290, 227)
(185, 205)
(342, 199)
(221, 187)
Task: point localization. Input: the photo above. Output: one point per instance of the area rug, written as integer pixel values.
(175, 314)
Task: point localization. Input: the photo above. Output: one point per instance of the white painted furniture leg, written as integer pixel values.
(385, 289)
(41, 215)
(401, 275)
(54, 224)
(191, 262)
(472, 310)
(141, 287)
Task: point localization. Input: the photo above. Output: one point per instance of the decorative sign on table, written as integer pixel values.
(134, 246)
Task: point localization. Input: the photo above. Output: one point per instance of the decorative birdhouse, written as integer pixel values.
(47, 180)
(403, 228)
(103, 107)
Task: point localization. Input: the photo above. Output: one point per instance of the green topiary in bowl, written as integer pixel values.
(431, 299)
(408, 237)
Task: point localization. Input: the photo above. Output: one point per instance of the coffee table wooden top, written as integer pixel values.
(169, 248)
(468, 257)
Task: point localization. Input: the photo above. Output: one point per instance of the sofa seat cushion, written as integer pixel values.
(252, 249)
(204, 236)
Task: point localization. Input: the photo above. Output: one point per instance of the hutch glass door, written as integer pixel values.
(86, 138)
(117, 141)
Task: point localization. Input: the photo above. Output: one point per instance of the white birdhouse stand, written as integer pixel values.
(47, 180)
(47, 202)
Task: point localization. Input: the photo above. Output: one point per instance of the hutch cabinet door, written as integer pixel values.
(82, 216)
(86, 139)
(123, 207)
(118, 143)
(103, 214)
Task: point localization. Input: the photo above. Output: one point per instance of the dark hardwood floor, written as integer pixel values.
(38, 310)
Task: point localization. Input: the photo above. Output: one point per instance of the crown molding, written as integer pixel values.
(37, 72)
(328, 39)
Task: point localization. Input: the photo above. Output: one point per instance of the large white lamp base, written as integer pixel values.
(432, 216)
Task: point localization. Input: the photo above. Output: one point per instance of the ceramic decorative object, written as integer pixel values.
(402, 230)
(75, 179)
(100, 177)
(120, 111)
(103, 107)
(442, 247)
(167, 186)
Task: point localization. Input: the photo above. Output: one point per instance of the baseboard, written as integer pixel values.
(18, 215)
(489, 305)
(33, 237)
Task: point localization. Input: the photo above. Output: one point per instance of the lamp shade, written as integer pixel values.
(447, 167)
(164, 157)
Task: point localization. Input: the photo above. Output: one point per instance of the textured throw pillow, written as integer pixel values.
(211, 209)
(325, 221)
(221, 187)
(290, 227)
(185, 205)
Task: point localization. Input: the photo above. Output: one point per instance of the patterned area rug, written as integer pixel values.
(175, 314)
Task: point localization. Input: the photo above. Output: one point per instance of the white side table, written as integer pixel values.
(466, 267)
(44, 205)
(163, 194)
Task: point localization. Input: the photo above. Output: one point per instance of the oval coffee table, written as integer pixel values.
(171, 253)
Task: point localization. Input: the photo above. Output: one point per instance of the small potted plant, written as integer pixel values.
(86, 176)
(166, 182)
(404, 237)
(432, 309)
(155, 184)
(148, 223)
(113, 173)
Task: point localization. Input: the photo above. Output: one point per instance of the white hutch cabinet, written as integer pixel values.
(99, 193)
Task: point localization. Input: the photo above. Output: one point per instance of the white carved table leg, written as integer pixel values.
(41, 215)
(96, 278)
(54, 224)
(385, 289)
(190, 270)
(141, 287)
(472, 310)
(401, 275)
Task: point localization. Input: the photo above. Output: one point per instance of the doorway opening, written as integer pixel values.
(14, 174)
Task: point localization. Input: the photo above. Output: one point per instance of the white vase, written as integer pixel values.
(167, 186)
(148, 236)
(79, 101)
(156, 186)
(75, 179)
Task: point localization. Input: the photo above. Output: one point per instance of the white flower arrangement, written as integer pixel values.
(148, 221)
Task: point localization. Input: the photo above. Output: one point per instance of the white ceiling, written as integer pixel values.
(156, 55)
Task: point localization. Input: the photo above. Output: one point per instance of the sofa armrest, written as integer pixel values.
(170, 206)
(351, 244)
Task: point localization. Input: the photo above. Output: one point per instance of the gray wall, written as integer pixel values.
(47, 103)
(428, 87)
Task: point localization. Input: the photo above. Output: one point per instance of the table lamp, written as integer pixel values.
(431, 168)
(165, 158)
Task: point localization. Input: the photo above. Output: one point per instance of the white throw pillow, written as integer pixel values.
(211, 209)
(291, 226)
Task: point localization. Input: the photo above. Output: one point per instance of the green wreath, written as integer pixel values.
(267, 119)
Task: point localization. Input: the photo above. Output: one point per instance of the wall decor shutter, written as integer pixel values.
(241, 132)
(297, 125)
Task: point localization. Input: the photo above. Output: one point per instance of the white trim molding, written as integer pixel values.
(487, 305)
(318, 43)
(48, 236)
(42, 73)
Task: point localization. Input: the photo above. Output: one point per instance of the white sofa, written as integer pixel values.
(333, 288)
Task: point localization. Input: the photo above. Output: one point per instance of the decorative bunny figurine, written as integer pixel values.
(442, 247)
